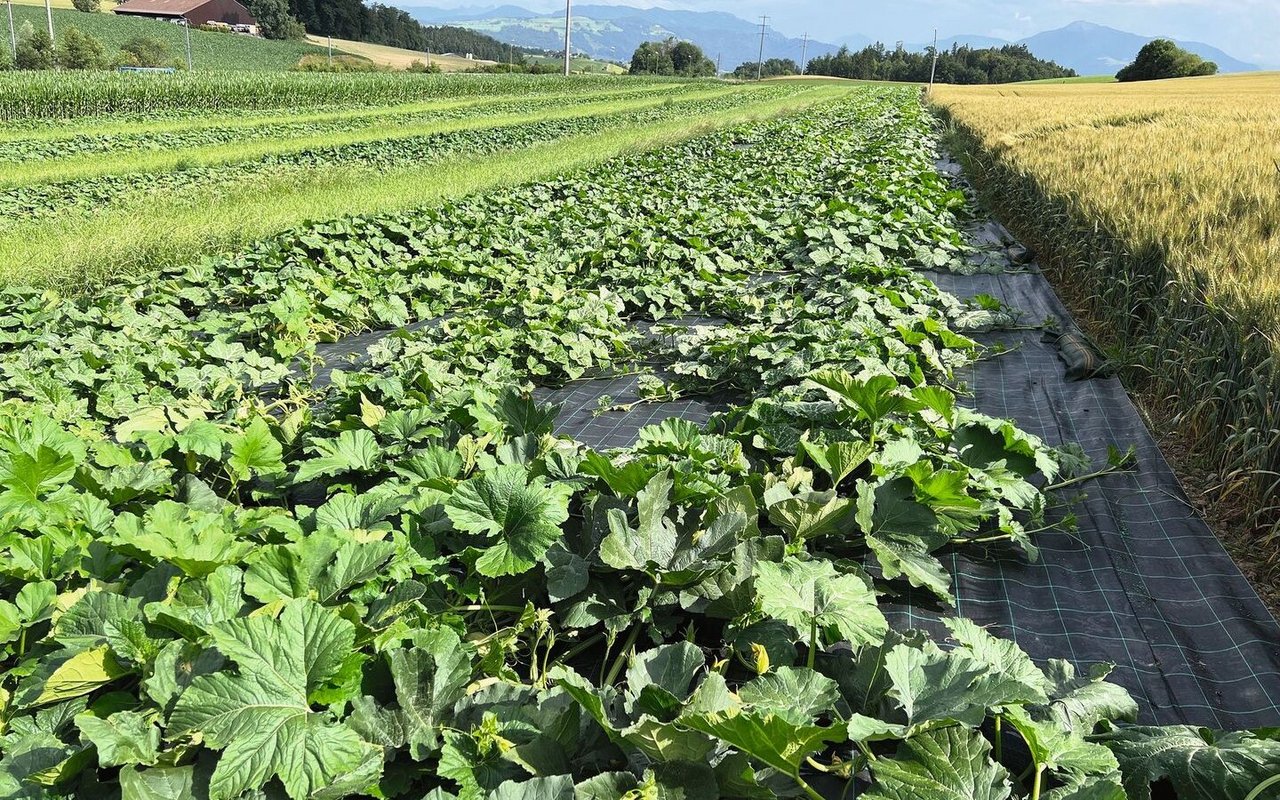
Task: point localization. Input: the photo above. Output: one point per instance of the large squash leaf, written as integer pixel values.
(260, 717)
(518, 515)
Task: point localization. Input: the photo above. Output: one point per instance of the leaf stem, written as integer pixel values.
(999, 743)
(612, 675)
(808, 790)
(1260, 788)
(580, 648)
(1035, 786)
(1102, 473)
(485, 607)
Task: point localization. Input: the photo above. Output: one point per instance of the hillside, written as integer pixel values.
(1095, 49)
(223, 51)
(614, 32)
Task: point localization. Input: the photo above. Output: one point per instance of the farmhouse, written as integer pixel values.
(197, 12)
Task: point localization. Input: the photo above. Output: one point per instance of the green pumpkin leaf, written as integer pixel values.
(260, 716)
(255, 451)
(948, 764)
(125, 737)
(517, 515)
(811, 594)
(352, 451)
(1200, 763)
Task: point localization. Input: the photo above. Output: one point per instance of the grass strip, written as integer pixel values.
(98, 164)
(81, 253)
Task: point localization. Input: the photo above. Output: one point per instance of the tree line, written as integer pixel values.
(959, 65)
(672, 57)
(383, 24)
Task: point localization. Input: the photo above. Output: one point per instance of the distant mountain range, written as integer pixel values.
(614, 32)
(1092, 49)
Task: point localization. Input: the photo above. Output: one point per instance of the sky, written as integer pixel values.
(1246, 29)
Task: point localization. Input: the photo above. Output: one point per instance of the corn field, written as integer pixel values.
(53, 95)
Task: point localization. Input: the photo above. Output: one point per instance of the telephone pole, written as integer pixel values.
(933, 71)
(186, 25)
(568, 22)
(13, 35)
(804, 55)
(718, 64)
(48, 12)
(764, 22)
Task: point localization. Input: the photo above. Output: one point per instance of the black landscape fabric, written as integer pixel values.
(1143, 583)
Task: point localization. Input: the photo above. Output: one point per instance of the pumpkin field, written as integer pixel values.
(241, 557)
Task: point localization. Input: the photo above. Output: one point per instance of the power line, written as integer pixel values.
(764, 22)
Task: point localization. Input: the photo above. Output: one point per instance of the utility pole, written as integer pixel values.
(13, 34)
(804, 55)
(764, 22)
(933, 71)
(186, 24)
(48, 12)
(718, 55)
(568, 24)
(331, 51)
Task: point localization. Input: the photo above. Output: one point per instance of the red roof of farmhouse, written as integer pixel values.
(175, 8)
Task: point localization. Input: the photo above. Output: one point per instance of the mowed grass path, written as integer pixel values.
(75, 250)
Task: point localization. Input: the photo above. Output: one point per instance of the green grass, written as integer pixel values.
(98, 164)
(209, 50)
(77, 252)
(580, 64)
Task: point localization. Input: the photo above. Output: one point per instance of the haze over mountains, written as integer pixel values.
(614, 32)
(1092, 49)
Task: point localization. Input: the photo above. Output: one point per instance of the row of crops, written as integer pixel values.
(48, 95)
(224, 578)
(388, 148)
(62, 140)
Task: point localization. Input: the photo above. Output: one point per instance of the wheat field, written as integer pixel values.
(1156, 208)
(1191, 166)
